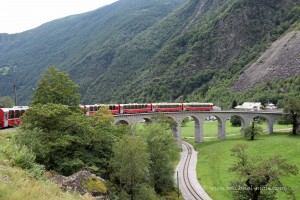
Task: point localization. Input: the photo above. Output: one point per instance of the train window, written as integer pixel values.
(5, 116)
(91, 108)
(17, 113)
(11, 114)
(22, 112)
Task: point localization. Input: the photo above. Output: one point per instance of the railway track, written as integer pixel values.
(193, 192)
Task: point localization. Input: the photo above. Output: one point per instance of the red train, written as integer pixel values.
(11, 116)
(152, 107)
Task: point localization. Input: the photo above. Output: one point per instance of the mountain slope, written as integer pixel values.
(145, 51)
(281, 60)
(225, 38)
(83, 45)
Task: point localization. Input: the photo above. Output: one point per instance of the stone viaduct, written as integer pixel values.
(199, 117)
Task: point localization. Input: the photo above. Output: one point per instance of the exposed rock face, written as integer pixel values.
(84, 183)
(281, 60)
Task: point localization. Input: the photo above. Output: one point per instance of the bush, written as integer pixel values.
(235, 121)
(22, 157)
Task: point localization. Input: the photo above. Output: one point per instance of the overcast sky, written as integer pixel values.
(21, 15)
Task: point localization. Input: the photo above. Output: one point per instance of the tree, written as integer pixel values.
(252, 130)
(235, 121)
(258, 178)
(6, 102)
(234, 104)
(103, 116)
(292, 106)
(161, 145)
(168, 121)
(66, 141)
(130, 163)
(56, 87)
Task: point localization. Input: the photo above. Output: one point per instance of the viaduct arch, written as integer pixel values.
(200, 117)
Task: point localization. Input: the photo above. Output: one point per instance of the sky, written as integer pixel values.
(21, 15)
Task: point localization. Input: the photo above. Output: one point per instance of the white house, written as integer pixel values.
(250, 106)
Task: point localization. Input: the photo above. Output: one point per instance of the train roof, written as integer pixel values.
(199, 103)
(166, 103)
(14, 108)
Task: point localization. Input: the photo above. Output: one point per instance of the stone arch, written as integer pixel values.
(147, 120)
(123, 122)
(198, 124)
(269, 122)
(244, 122)
(221, 124)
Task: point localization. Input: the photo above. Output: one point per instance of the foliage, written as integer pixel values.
(130, 162)
(167, 121)
(6, 102)
(234, 104)
(258, 177)
(103, 116)
(235, 121)
(292, 106)
(252, 130)
(66, 141)
(161, 145)
(185, 121)
(22, 157)
(153, 59)
(57, 88)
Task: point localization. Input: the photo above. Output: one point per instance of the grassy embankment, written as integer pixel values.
(214, 157)
(15, 183)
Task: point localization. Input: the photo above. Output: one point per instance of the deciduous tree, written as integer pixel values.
(161, 146)
(56, 87)
(292, 106)
(258, 178)
(6, 102)
(252, 130)
(130, 163)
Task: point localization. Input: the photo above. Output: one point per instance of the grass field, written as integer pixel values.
(214, 156)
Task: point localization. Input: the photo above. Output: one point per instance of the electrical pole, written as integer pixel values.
(15, 94)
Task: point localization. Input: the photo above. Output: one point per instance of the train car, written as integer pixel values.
(167, 107)
(197, 106)
(135, 108)
(11, 116)
(91, 109)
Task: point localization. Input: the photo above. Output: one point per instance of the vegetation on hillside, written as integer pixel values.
(146, 51)
(59, 137)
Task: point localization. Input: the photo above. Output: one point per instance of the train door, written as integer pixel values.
(5, 119)
(121, 109)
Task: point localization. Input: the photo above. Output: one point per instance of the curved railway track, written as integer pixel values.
(193, 192)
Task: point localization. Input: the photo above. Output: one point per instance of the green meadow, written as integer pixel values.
(214, 156)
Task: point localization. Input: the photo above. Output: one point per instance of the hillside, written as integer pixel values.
(85, 45)
(280, 61)
(145, 51)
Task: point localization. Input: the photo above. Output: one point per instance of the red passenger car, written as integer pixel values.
(167, 107)
(198, 106)
(135, 108)
(91, 109)
(11, 116)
